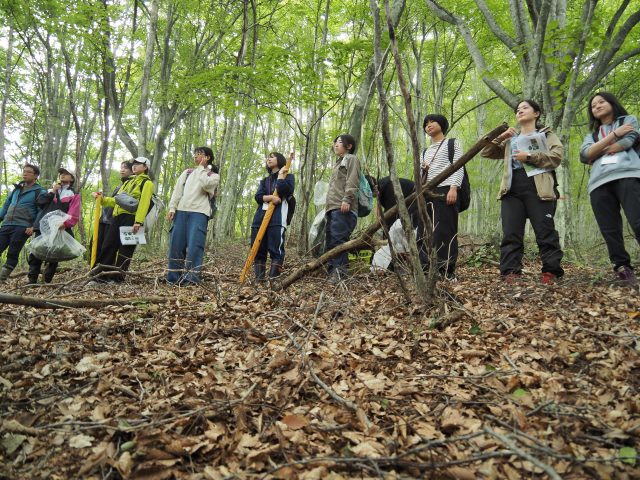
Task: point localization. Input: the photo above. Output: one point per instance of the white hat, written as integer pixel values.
(143, 160)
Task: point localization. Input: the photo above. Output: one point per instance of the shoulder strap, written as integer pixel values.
(451, 146)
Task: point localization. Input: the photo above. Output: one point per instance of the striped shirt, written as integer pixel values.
(436, 159)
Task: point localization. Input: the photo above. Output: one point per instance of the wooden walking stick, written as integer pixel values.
(263, 226)
(96, 229)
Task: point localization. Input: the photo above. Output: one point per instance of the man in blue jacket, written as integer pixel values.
(17, 215)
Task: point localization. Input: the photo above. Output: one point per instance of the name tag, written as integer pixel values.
(610, 159)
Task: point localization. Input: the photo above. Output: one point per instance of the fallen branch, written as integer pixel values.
(330, 391)
(522, 454)
(365, 240)
(76, 303)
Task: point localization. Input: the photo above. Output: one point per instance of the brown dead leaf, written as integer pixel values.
(295, 422)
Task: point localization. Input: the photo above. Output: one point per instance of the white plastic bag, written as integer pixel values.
(398, 240)
(54, 244)
(320, 193)
(317, 234)
(381, 259)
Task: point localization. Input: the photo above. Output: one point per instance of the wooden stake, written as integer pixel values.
(263, 227)
(96, 229)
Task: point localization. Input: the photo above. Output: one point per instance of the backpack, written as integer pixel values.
(465, 188)
(291, 202)
(365, 197)
(212, 199)
(154, 209)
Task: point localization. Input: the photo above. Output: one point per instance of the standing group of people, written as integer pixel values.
(530, 155)
(528, 190)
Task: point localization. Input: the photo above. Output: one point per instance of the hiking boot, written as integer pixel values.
(31, 280)
(626, 275)
(4, 274)
(548, 278)
(512, 277)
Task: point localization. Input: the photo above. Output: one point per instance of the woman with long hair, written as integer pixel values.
(614, 182)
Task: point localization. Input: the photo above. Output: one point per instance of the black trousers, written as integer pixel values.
(113, 253)
(606, 201)
(445, 232)
(12, 238)
(522, 203)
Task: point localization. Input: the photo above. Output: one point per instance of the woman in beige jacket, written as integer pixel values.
(528, 191)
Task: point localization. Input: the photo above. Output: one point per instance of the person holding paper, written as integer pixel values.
(528, 191)
(190, 211)
(612, 151)
(130, 208)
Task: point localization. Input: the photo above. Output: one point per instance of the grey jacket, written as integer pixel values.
(627, 164)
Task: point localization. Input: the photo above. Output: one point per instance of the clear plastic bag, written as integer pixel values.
(317, 234)
(54, 244)
(320, 193)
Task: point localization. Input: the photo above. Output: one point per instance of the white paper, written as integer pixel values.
(532, 142)
(127, 237)
(610, 159)
(265, 206)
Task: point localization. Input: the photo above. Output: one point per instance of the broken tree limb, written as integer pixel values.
(76, 303)
(365, 239)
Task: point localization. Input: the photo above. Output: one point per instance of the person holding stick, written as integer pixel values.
(528, 190)
(273, 242)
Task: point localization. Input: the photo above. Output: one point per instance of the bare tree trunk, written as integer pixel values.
(424, 294)
(363, 97)
(6, 87)
(143, 121)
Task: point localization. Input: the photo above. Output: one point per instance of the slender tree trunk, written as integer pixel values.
(143, 120)
(421, 284)
(6, 91)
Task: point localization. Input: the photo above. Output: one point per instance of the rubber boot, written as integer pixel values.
(260, 269)
(49, 272)
(276, 269)
(4, 273)
(34, 270)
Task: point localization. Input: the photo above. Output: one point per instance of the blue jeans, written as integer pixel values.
(186, 247)
(339, 228)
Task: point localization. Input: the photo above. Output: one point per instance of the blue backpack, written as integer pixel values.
(365, 197)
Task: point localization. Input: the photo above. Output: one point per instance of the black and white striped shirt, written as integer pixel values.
(441, 161)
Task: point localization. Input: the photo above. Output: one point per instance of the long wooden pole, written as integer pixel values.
(263, 227)
(96, 229)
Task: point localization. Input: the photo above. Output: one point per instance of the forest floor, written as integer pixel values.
(322, 381)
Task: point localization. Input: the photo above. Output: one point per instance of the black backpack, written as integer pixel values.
(291, 202)
(465, 189)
